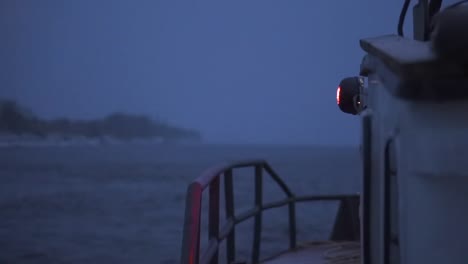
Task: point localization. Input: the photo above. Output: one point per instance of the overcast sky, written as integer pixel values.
(256, 71)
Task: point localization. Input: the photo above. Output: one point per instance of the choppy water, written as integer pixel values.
(125, 203)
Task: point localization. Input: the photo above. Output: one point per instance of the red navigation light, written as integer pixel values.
(338, 91)
(348, 95)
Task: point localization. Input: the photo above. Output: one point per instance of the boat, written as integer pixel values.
(412, 98)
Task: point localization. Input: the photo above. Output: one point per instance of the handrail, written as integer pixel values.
(211, 179)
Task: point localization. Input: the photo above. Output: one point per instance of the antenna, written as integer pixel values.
(423, 12)
(421, 20)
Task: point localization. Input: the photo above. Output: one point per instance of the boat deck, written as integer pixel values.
(320, 252)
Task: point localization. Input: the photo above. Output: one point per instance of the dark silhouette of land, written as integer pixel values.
(17, 120)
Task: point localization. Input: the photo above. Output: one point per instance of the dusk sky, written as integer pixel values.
(258, 71)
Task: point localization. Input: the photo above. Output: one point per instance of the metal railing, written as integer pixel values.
(211, 178)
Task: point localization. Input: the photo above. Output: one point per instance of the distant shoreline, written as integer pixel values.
(12, 140)
(20, 127)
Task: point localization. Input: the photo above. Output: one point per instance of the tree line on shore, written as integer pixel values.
(15, 119)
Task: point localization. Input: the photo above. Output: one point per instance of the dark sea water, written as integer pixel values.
(125, 203)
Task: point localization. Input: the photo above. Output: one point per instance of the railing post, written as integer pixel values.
(213, 220)
(229, 198)
(291, 205)
(191, 235)
(292, 223)
(258, 216)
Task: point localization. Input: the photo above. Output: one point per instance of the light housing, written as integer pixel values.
(348, 95)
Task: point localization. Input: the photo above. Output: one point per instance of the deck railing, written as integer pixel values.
(346, 224)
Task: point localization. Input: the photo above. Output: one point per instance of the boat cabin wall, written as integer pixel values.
(434, 154)
(383, 128)
(419, 183)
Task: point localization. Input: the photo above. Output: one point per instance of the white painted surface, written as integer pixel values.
(432, 164)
